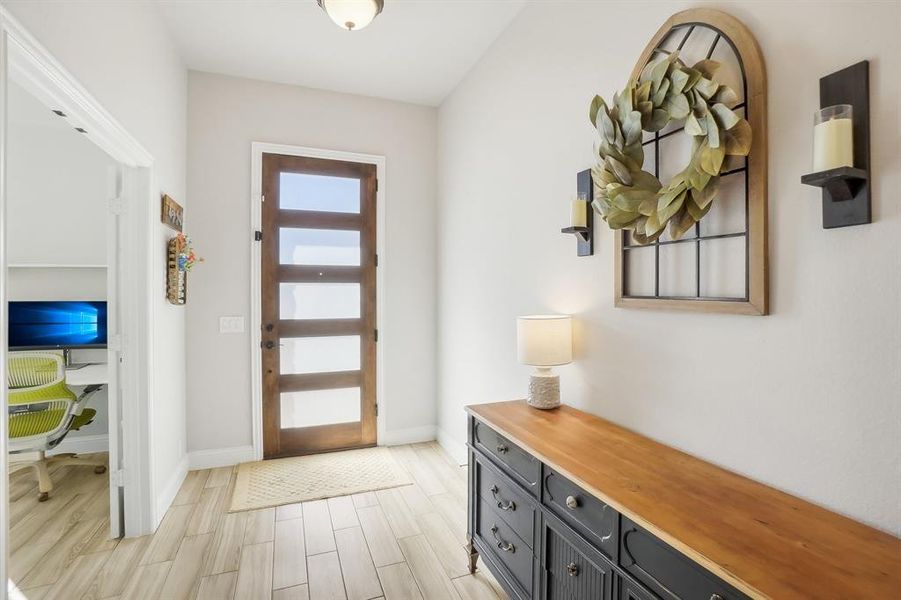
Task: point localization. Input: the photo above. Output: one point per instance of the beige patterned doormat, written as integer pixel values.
(280, 481)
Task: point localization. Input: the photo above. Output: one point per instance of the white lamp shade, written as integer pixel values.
(352, 14)
(544, 340)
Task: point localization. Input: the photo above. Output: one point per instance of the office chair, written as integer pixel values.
(42, 411)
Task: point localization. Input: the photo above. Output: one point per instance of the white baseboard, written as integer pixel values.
(226, 457)
(452, 446)
(219, 457)
(410, 435)
(83, 444)
(170, 490)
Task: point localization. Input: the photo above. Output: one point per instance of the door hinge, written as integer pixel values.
(376, 409)
(376, 185)
(258, 236)
(376, 335)
(117, 478)
(116, 206)
(376, 260)
(114, 342)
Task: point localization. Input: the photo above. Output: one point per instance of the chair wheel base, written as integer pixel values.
(43, 496)
(100, 470)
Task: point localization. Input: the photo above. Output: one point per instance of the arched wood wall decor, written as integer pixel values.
(724, 29)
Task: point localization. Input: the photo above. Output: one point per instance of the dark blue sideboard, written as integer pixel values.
(564, 505)
(545, 538)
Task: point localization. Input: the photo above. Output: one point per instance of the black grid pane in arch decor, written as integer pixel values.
(713, 237)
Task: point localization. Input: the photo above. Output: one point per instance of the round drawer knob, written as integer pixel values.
(716, 597)
(502, 449)
(573, 570)
(573, 503)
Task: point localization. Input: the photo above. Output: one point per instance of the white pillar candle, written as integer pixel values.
(833, 145)
(578, 213)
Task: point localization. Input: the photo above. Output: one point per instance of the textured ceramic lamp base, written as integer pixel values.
(544, 390)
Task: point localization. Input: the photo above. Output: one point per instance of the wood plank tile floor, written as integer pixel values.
(405, 543)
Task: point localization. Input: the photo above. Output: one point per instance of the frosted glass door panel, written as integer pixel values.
(320, 407)
(319, 301)
(319, 247)
(320, 354)
(301, 191)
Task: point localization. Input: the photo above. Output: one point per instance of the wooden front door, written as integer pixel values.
(318, 305)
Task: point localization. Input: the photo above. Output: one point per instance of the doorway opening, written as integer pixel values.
(74, 228)
(62, 297)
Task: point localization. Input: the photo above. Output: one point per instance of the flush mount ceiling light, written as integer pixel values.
(352, 14)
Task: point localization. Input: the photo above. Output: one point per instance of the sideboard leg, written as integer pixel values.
(473, 556)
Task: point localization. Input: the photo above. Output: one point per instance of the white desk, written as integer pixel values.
(92, 374)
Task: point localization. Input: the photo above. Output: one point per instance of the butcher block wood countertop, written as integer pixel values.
(767, 543)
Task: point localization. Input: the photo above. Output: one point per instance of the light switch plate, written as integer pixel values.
(231, 324)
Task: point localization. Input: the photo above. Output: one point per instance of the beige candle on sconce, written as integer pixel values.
(833, 138)
(578, 211)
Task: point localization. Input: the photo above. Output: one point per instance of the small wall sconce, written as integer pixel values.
(841, 147)
(582, 215)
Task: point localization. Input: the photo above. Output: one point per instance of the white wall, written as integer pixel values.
(224, 116)
(122, 54)
(57, 188)
(806, 399)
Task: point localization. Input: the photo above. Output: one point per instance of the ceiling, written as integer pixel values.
(415, 51)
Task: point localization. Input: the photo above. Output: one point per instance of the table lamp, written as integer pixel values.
(544, 341)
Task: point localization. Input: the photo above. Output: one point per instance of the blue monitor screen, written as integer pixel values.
(57, 324)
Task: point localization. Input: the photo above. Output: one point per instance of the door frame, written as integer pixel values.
(257, 149)
(25, 60)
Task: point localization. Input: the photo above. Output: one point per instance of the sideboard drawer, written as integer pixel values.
(523, 465)
(629, 590)
(666, 571)
(596, 520)
(573, 569)
(510, 504)
(505, 546)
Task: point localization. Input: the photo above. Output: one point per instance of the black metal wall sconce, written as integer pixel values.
(846, 188)
(584, 233)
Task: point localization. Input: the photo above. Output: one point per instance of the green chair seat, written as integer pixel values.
(34, 423)
(56, 398)
(86, 416)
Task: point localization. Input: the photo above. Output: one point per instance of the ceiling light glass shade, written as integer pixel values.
(352, 14)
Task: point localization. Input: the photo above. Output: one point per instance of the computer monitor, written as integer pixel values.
(57, 325)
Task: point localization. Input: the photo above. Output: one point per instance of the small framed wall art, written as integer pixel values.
(176, 276)
(171, 213)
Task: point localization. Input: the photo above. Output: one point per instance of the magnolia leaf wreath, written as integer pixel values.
(630, 198)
